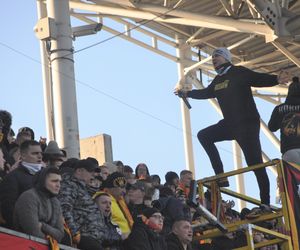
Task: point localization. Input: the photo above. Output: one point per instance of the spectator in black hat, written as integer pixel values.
(68, 167)
(136, 195)
(80, 212)
(181, 236)
(115, 185)
(286, 117)
(96, 181)
(145, 233)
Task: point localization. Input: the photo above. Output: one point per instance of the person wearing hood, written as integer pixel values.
(241, 121)
(37, 211)
(286, 117)
(146, 232)
(20, 179)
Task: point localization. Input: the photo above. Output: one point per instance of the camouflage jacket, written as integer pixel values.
(79, 209)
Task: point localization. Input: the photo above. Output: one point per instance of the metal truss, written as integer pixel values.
(283, 214)
(172, 30)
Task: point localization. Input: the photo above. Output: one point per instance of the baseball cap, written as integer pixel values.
(86, 164)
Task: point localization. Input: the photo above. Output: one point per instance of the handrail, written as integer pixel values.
(284, 240)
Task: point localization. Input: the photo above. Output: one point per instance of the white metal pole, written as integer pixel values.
(183, 54)
(42, 12)
(269, 134)
(240, 183)
(64, 91)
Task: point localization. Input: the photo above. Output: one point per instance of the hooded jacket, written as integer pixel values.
(13, 185)
(37, 206)
(142, 237)
(173, 243)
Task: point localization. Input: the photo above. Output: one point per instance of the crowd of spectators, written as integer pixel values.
(80, 203)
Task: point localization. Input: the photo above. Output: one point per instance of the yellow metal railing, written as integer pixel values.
(281, 214)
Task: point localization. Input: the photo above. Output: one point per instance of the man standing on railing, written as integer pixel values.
(232, 88)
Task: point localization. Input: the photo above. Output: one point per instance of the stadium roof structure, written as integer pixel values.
(262, 35)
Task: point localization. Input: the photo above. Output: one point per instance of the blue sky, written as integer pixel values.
(145, 124)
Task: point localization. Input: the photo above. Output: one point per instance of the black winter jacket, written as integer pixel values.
(173, 243)
(286, 117)
(233, 92)
(143, 238)
(12, 186)
(172, 209)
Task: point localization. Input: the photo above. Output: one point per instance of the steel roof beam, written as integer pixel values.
(178, 17)
(128, 37)
(196, 65)
(287, 53)
(228, 8)
(191, 39)
(260, 59)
